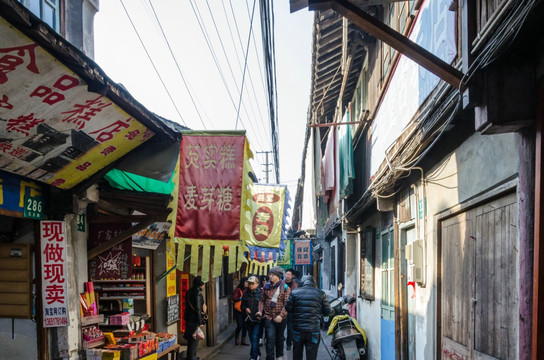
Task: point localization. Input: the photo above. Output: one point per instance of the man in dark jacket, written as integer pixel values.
(307, 304)
(250, 307)
(194, 310)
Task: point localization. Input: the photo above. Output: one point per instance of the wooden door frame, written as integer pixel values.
(402, 289)
(495, 193)
(538, 265)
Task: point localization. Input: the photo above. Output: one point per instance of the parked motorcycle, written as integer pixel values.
(348, 337)
(338, 307)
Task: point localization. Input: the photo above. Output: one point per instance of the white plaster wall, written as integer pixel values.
(69, 337)
(351, 243)
(434, 30)
(369, 312)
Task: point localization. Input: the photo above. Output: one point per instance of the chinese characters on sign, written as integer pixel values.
(21, 196)
(267, 207)
(54, 274)
(116, 262)
(210, 187)
(54, 130)
(303, 252)
(183, 287)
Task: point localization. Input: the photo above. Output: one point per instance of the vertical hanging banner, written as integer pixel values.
(303, 252)
(171, 286)
(54, 273)
(210, 188)
(267, 203)
(213, 189)
(285, 258)
(183, 287)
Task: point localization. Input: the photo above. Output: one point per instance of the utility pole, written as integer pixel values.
(267, 164)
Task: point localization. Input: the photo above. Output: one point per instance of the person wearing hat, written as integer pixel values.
(250, 307)
(195, 310)
(272, 309)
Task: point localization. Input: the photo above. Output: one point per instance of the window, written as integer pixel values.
(333, 265)
(360, 96)
(402, 17)
(47, 10)
(388, 275)
(367, 240)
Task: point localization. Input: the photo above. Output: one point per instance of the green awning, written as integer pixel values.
(127, 181)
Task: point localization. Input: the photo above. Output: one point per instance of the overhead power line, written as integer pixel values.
(152, 63)
(245, 64)
(262, 122)
(238, 89)
(269, 53)
(177, 65)
(202, 26)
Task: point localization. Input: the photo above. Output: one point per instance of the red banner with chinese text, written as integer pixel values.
(183, 287)
(210, 186)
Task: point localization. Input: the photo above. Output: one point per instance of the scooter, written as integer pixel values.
(348, 338)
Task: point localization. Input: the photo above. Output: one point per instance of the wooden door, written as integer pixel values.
(457, 286)
(479, 291)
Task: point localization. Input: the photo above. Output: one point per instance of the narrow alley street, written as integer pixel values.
(236, 352)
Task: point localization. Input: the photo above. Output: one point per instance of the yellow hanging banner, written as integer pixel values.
(266, 216)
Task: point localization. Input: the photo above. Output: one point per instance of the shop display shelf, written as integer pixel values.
(125, 289)
(119, 281)
(91, 320)
(122, 297)
(89, 344)
(166, 344)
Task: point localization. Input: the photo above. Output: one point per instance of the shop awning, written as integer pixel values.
(62, 119)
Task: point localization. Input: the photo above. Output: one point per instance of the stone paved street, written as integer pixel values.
(236, 352)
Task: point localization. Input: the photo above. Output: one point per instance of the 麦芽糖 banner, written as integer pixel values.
(210, 189)
(213, 180)
(54, 274)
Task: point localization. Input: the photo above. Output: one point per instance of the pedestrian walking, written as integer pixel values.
(250, 306)
(307, 304)
(195, 316)
(291, 279)
(263, 279)
(272, 309)
(238, 313)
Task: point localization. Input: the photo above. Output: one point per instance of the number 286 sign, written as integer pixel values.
(33, 207)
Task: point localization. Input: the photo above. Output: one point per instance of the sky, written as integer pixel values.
(198, 50)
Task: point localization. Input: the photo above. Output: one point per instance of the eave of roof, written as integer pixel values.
(326, 62)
